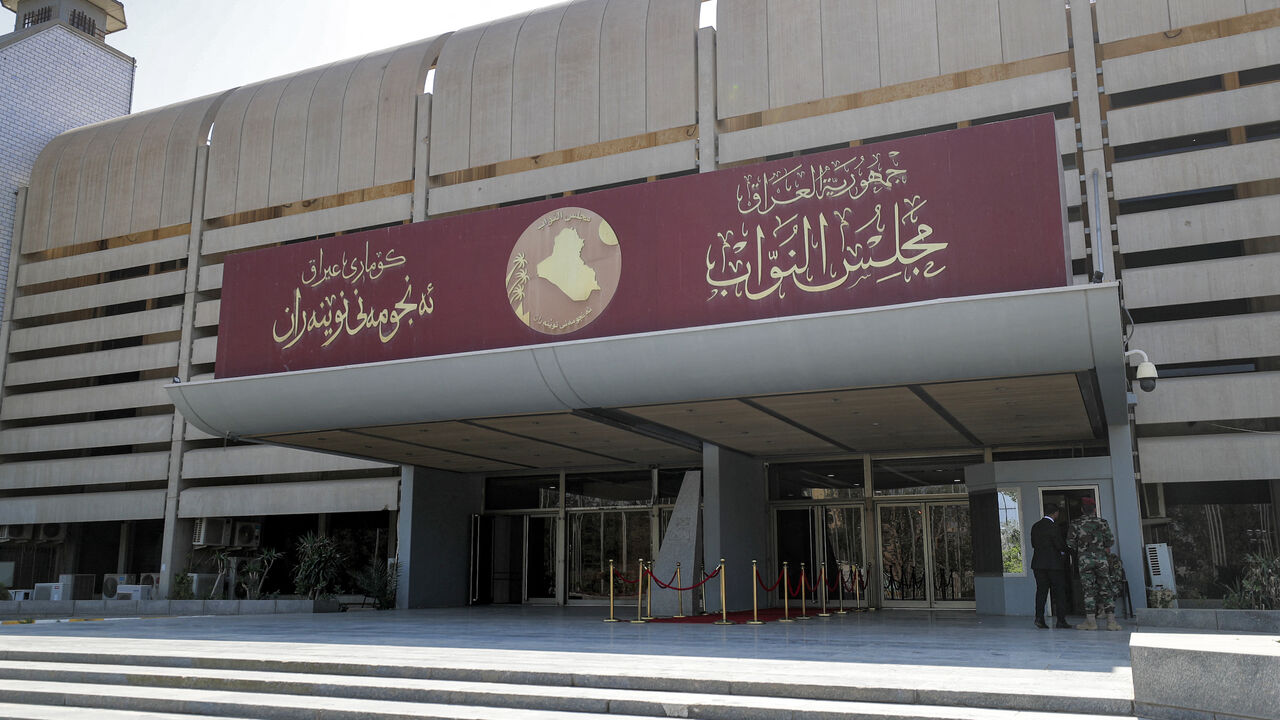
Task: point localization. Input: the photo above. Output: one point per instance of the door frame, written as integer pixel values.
(818, 538)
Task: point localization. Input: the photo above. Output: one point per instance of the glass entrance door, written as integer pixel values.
(513, 559)
(597, 537)
(814, 535)
(926, 555)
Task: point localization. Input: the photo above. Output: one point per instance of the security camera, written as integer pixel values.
(1146, 376)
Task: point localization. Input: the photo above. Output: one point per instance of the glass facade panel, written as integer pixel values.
(612, 489)
(597, 537)
(838, 480)
(902, 561)
(952, 553)
(522, 493)
(1011, 531)
(921, 476)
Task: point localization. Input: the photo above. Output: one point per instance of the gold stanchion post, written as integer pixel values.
(755, 601)
(822, 578)
(679, 594)
(786, 594)
(611, 618)
(648, 600)
(639, 594)
(840, 588)
(804, 599)
(724, 609)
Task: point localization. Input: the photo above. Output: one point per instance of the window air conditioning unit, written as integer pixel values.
(133, 592)
(247, 535)
(1160, 564)
(15, 532)
(51, 591)
(211, 531)
(152, 579)
(51, 532)
(111, 584)
(77, 587)
(21, 594)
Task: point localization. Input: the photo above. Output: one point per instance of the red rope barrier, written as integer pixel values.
(809, 585)
(682, 589)
(768, 588)
(623, 579)
(799, 586)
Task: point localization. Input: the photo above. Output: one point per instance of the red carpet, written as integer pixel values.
(742, 616)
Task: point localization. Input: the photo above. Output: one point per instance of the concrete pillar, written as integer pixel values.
(1128, 520)
(126, 546)
(434, 536)
(735, 516)
(176, 547)
(707, 150)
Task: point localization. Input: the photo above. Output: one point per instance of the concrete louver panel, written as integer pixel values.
(563, 77)
(1235, 337)
(294, 498)
(97, 296)
(1246, 276)
(84, 507)
(98, 398)
(776, 53)
(102, 470)
(147, 322)
(1214, 167)
(1242, 107)
(1193, 12)
(1120, 19)
(1196, 60)
(1211, 397)
(76, 436)
(264, 460)
(123, 176)
(102, 362)
(103, 261)
(342, 127)
(1209, 458)
(1243, 219)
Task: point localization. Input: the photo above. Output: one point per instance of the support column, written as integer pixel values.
(707, 149)
(1128, 521)
(735, 516)
(434, 536)
(176, 547)
(126, 547)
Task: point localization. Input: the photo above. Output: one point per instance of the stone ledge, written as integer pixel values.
(1261, 621)
(46, 609)
(1185, 676)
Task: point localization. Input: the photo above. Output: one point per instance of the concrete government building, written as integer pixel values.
(859, 284)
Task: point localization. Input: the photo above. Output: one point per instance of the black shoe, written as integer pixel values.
(1062, 624)
(1040, 624)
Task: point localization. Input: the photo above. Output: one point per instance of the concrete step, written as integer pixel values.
(546, 679)
(634, 705)
(18, 711)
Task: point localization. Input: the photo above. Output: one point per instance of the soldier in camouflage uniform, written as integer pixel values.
(1090, 536)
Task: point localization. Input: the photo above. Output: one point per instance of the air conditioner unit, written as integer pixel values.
(111, 584)
(133, 592)
(15, 532)
(77, 587)
(1160, 564)
(152, 579)
(50, 532)
(211, 531)
(247, 535)
(51, 591)
(202, 584)
(21, 594)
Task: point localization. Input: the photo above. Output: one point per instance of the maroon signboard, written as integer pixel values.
(958, 213)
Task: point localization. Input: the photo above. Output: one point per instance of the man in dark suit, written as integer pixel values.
(1049, 551)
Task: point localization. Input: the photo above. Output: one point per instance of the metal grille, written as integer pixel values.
(83, 22)
(35, 17)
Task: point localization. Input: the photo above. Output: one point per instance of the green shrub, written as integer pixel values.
(379, 580)
(319, 566)
(1259, 585)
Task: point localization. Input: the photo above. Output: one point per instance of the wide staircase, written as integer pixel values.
(107, 679)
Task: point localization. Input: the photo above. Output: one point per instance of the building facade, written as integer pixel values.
(137, 427)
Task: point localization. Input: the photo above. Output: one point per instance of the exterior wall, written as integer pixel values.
(53, 80)
(577, 96)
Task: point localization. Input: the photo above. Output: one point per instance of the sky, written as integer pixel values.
(186, 49)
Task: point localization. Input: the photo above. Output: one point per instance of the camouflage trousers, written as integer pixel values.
(1095, 583)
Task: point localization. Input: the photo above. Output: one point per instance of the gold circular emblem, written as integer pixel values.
(563, 271)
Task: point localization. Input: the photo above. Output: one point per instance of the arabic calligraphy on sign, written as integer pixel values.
(817, 228)
(347, 312)
(563, 271)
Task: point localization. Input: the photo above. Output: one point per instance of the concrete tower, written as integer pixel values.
(56, 73)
